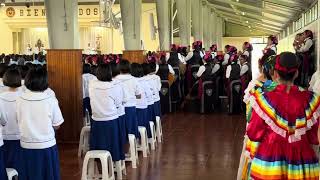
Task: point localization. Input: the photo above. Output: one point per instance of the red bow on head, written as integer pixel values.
(281, 68)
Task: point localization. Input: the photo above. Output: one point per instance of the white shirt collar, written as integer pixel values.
(96, 84)
(35, 96)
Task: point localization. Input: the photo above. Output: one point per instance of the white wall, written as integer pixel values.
(234, 41)
(6, 45)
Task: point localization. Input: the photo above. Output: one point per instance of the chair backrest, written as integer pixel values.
(238, 89)
(165, 87)
(194, 70)
(208, 88)
(208, 92)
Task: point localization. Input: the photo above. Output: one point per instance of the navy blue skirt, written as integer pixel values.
(12, 152)
(157, 108)
(122, 129)
(143, 120)
(39, 164)
(131, 121)
(151, 113)
(104, 135)
(3, 172)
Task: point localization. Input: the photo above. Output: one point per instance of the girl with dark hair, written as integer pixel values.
(195, 57)
(38, 116)
(164, 68)
(213, 50)
(8, 104)
(282, 127)
(105, 99)
(156, 87)
(260, 85)
(247, 50)
(227, 56)
(132, 92)
(245, 72)
(204, 74)
(307, 63)
(233, 74)
(86, 79)
(146, 68)
(271, 48)
(120, 109)
(174, 58)
(142, 105)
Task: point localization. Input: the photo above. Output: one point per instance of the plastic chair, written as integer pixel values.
(84, 141)
(120, 167)
(152, 140)
(133, 151)
(159, 130)
(106, 163)
(143, 146)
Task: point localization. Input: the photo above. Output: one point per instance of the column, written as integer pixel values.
(62, 20)
(184, 21)
(219, 33)
(197, 20)
(206, 27)
(213, 25)
(163, 12)
(131, 23)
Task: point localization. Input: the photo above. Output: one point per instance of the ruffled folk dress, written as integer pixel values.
(286, 125)
(250, 147)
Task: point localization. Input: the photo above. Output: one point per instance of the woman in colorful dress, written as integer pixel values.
(285, 123)
(262, 84)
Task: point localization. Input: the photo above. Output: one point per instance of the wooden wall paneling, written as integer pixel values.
(65, 78)
(137, 56)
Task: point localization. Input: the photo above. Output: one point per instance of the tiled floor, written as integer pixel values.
(196, 147)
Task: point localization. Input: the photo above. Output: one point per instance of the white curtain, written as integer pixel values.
(96, 36)
(31, 36)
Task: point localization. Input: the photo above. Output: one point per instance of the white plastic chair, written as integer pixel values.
(159, 130)
(120, 167)
(152, 140)
(84, 141)
(133, 151)
(143, 146)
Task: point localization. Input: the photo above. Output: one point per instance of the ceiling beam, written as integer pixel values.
(248, 19)
(249, 14)
(267, 31)
(256, 26)
(254, 8)
(295, 5)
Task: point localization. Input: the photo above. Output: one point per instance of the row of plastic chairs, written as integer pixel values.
(90, 170)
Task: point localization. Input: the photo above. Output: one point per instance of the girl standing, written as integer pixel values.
(285, 122)
(105, 100)
(38, 116)
(8, 109)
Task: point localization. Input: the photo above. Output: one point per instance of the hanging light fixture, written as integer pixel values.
(2, 3)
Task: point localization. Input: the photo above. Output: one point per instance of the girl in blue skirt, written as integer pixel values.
(156, 90)
(150, 88)
(105, 100)
(38, 116)
(142, 105)
(121, 110)
(132, 92)
(8, 109)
